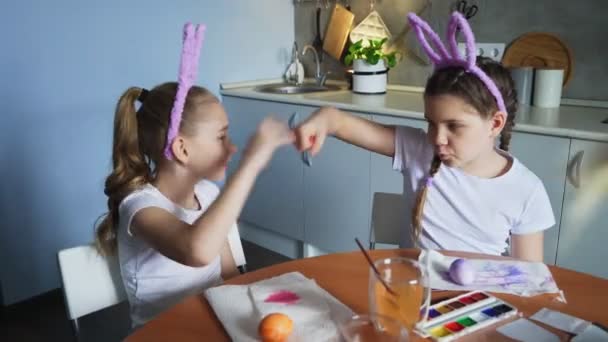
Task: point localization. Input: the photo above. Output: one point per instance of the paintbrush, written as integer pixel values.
(371, 263)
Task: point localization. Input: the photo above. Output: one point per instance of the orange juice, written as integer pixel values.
(405, 306)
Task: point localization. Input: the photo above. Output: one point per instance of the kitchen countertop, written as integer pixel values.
(401, 101)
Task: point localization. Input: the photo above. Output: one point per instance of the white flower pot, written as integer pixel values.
(368, 78)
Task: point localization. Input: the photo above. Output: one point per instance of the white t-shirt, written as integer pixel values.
(463, 212)
(152, 281)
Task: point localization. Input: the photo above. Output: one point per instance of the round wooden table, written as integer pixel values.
(346, 275)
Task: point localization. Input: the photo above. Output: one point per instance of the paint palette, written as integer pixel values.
(459, 316)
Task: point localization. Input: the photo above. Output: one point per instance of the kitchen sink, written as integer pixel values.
(287, 88)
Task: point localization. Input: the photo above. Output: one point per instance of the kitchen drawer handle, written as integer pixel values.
(574, 169)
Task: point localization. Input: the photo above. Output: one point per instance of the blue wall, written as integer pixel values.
(63, 65)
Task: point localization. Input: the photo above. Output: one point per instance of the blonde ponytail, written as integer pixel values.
(139, 141)
(129, 169)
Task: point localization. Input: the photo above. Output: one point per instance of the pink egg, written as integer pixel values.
(462, 272)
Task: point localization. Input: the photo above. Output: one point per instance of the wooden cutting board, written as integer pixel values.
(338, 28)
(540, 50)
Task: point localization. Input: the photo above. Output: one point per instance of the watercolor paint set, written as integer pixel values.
(464, 314)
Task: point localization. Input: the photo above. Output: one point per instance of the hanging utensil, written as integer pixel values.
(318, 41)
(468, 11)
(338, 28)
(347, 4)
(370, 28)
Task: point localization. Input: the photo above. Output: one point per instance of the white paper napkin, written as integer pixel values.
(301, 300)
(526, 331)
(240, 316)
(504, 276)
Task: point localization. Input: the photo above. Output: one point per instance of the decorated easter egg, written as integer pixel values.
(275, 327)
(462, 272)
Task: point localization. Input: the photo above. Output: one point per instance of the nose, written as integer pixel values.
(438, 136)
(231, 147)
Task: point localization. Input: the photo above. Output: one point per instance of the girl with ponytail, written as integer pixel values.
(174, 232)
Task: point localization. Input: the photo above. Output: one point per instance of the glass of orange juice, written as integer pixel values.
(410, 295)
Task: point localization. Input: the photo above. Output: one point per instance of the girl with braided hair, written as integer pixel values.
(463, 191)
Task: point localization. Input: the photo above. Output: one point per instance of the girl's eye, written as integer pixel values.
(454, 126)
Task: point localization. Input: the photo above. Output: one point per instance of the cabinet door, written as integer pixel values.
(336, 197)
(276, 201)
(584, 230)
(384, 178)
(547, 158)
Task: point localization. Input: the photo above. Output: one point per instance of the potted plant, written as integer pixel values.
(370, 65)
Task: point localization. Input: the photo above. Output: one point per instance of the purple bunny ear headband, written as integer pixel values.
(188, 70)
(441, 57)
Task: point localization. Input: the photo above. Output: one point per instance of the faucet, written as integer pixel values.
(321, 78)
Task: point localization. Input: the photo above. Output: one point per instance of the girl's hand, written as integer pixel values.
(270, 135)
(311, 134)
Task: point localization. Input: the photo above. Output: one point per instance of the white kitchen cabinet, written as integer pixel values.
(336, 197)
(547, 157)
(582, 242)
(386, 180)
(276, 201)
(383, 177)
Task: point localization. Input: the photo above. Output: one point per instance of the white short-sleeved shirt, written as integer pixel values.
(467, 213)
(152, 281)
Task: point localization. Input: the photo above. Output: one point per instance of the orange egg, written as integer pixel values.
(275, 327)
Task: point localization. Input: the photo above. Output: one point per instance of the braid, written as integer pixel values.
(420, 199)
(505, 135)
(510, 98)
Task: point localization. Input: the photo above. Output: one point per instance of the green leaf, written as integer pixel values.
(391, 60)
(348, 60)
(372, 52)
(373, 59)
(369, 54)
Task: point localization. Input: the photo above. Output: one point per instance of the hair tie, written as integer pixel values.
(143, 94)
(429, 181)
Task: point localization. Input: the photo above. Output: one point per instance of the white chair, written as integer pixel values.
(90, 281)
(388, 219)
(236, 247)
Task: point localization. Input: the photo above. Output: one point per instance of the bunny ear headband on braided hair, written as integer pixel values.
(188, 70)
(442, 57)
